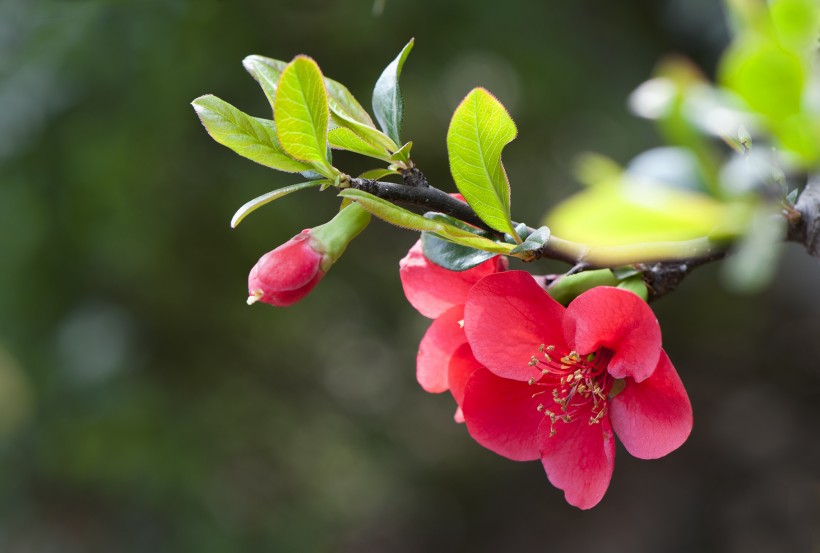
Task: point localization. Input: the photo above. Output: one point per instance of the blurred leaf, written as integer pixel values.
(407, 219)
(453, 257)
(301, 113)
(479, 130)
(754, 261)
(623, 211)
(769, 78)
(676, 167)
(800, 134)
(797, 23)
(388, 104)
(591, 168)
(567, 288)
(343, 138)
(258, 202)
(253, 138)
(533, 242)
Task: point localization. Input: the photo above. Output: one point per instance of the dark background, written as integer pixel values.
(145, 408)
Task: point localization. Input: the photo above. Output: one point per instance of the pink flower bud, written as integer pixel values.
(287, 274)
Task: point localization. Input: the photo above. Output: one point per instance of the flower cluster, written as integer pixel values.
(536, 380)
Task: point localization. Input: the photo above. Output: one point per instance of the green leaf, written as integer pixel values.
(343, 119)
(479, 130)
(266, 72)
(624, 211)
(258, 202)
(768, 77)
(388, 104)
(533, 242)
(797, 23)
(453, 257)
(447, 219)
(625, 272)
(754, 259)
(377, 174)
(343, 138)
(407, 219)
(403, 153)
(346, 102)
(248, 136)
(301, 113)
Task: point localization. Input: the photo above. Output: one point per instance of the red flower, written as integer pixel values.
(559, 380)
(287, 274)
(444, 359)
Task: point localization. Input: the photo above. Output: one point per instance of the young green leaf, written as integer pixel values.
(248, 136)
(301, 113)
(258, 202)
(479, 130)
(407, 219)
(266, 72)
(375, 136)
(346, 102)
(377, 174)
(403, 153)
(388, 104)
(533, 242)
(343, 138)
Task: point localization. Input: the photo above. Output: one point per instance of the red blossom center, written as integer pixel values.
(573, 386)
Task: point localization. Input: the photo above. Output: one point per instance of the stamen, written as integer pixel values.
(578, 385)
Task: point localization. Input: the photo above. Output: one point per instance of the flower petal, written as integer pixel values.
(462, 366)
(502, 415)
(616, 319)
(431, 289)
(506, 318)
(579, 459)
(437, 346)
(654, 417)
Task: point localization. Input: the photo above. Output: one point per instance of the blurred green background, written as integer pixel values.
(145, 408)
